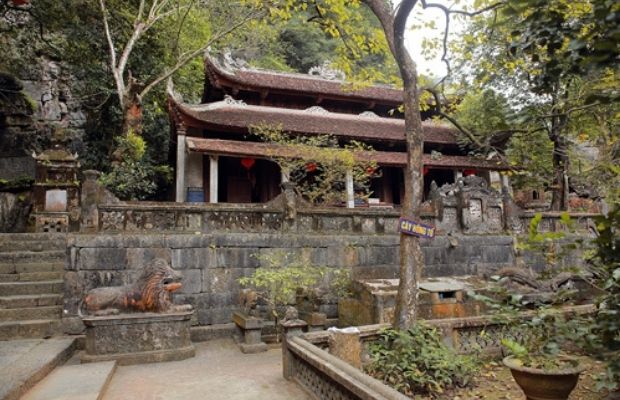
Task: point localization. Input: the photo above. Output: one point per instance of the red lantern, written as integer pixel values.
(311, 167)
(370, 170)
(468, 172)
(247, 163)
(425, 170)
(20, 2)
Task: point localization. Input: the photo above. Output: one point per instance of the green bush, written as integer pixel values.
(135, 177)
(416, 361)
(607, 319)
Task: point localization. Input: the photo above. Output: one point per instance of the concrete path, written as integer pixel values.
(219, 371)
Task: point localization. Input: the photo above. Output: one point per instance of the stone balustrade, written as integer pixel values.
(208, 218)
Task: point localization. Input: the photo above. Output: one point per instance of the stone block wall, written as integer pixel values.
(213, 263)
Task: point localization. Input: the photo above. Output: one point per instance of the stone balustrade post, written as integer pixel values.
(291, 326)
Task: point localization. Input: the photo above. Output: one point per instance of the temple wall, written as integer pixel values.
(213, 263)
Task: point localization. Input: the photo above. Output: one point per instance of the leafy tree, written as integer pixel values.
(540, 76)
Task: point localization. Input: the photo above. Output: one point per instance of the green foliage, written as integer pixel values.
(551, 245)
(607, 321)
(134, 178)
(539, 338)
(416, 361)
(563, 36)
(280, 276)
(318, 166)
(483, 112)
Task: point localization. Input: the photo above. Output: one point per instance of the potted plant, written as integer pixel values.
(543, 346)
(541, 376)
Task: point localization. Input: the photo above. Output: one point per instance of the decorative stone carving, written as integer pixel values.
(316, 110)
(232, 101)
(56, 190)
(153, 329)
(150, 293)
(325, 71)
(369, 114)
(231, 63)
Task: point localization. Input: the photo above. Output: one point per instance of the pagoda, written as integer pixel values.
(218, 161)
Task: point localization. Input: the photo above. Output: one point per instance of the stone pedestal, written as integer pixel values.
(251, 328)
(346, 345)
(316, 320)
(139, 338)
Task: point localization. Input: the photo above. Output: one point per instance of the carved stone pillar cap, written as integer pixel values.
(91, 174)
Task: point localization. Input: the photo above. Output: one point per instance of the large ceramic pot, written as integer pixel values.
(538, 384)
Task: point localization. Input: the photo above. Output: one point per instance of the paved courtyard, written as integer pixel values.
(219, 371)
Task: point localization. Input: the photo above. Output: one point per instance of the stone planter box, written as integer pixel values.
(138, 338)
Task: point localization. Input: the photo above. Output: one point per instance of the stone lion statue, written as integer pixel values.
(150, 293)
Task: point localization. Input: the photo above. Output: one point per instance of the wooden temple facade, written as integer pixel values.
(217, 160)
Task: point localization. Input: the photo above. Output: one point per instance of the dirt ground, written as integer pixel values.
(494, 382)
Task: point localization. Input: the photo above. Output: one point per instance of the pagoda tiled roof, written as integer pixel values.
(234, 115)
(252, 79)
(236, 148)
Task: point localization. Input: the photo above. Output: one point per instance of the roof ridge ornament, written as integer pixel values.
(369, 114)
(233, 102)
(231, 63)
(316, 110)
(325, 71)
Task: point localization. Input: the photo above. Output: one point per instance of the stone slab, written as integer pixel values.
(74, 382)
(23, 363)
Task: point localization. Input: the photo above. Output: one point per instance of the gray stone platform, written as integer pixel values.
(23, 363)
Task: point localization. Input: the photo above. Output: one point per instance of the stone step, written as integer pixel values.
(23, 237)
(37, 328)
(31, 276)
(30, 313)
(44, 245)
(21, 288)
(31, 300)
(25, 362)
(70, 382)
(11, 268)
(27, 257)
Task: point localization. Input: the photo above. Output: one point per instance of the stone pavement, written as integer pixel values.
(219, 371)
(24, 362)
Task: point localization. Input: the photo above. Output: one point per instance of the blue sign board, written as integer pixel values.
(414, 228)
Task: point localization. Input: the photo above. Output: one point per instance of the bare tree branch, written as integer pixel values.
(447, 12)
(118, 78)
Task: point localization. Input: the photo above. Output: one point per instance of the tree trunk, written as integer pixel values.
(133, 118)
(559, 188)
(411, 257)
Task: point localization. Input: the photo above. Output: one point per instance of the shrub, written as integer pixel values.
(416, 360)
(135, 177)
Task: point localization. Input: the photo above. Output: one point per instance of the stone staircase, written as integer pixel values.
(31, 284)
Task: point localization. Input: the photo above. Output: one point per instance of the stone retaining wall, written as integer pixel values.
(213, 263)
